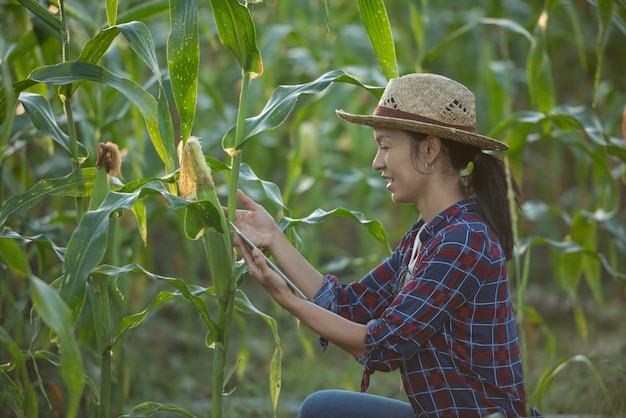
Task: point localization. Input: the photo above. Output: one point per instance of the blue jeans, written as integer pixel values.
(346, 404)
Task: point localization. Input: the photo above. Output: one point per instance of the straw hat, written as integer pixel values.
(429, 104)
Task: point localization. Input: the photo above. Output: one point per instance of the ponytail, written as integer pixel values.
(487, 185)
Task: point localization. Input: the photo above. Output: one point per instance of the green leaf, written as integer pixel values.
(138, 37)
(236, 31)
(71, 72)
(9, 94)
(538, 67)
(243, 304)
(40, 114)
(42, 13)
(584, 232)
(139, 209)
(376, 21)
(39, 240)
(56, 314)
(79, 184)
(271, 190)
(547, 379)
(24, 402)
(605, 11)
(111, 11)
(189, 292)
(374, 227)
(14, 257)
(276, 376)
(87, 245)
(143, 10)
(147, 409)
(507, 24)
(282, 102)
(11, 397)
(183, 56)
(201, 215)
(444, 45)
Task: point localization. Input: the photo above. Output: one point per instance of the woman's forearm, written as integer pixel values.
(348, 335)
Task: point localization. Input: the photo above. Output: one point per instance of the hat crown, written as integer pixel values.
(431, 96)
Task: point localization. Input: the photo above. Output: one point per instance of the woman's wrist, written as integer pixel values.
(278, 239)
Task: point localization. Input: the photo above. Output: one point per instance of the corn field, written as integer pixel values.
(127, 127)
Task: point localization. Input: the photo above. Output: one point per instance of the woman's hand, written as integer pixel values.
(259, 226)
(261, 272)
(256, 223)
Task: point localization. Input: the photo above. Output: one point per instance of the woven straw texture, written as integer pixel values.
(439, 99)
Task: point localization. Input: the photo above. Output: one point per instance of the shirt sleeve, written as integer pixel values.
(362, 300)
(450, 271)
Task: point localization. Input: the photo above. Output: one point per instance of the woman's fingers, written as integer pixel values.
(245, 200)
(260, 270)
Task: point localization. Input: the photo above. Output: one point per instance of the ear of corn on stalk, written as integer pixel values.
(196, 179)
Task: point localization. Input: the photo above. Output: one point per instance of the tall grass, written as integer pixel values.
(259, 84)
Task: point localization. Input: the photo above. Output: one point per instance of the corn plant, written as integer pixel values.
(88, 244)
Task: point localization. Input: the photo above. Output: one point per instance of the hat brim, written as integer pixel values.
(480, 141)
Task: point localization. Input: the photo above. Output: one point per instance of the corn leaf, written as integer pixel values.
(158, 124)
(39, 240)
(111, 6)
(143, 10)
(41, 12)
(538, 67)
(190, 292)
(183, 60)
(244, 305)
(9, 94)
(376, 21)
(281, 104)
(24, 402)
(40, 114)
(276, 376)
(374, 227)
(605, 11)
(547, 379)
(11, 397)
(79, 183)
(236, 31)
(87, 245)
(147, 409)
(568, 247)
(584, 232)
(58, 316)
(13, 256)
(271, 190)
(199, 216)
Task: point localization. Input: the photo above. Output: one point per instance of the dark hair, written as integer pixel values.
(487, 185)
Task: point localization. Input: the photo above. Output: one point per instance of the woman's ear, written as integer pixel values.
(430, 148)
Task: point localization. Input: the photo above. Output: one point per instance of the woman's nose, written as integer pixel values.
(378, 163)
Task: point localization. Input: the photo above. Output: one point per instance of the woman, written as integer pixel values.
(438, 309)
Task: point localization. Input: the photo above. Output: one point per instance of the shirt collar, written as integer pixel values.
(444, 218)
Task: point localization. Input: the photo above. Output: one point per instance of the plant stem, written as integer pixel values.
(102, 322)
(225, 308)
(64, 92)
(100, 299)
(224, 316)
(237, 156)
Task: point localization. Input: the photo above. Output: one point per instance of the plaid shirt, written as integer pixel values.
(450, 329)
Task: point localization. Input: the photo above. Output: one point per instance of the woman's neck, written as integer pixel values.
(440, 196)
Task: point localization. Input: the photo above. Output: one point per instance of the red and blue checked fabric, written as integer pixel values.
(450, 329)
